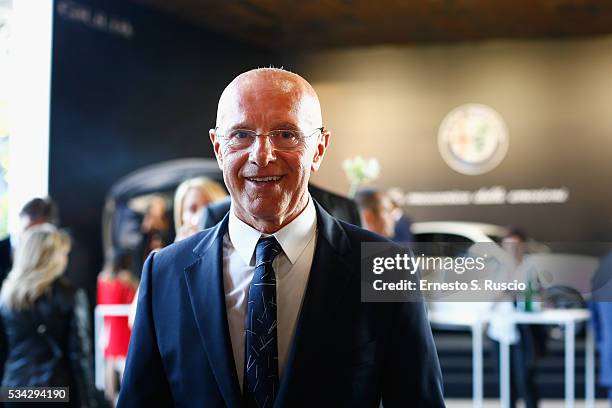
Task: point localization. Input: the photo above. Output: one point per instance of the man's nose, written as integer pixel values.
(262, 151)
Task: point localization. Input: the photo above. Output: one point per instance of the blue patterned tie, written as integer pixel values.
(261, 348)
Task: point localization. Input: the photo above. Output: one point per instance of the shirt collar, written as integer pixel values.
(292, 238)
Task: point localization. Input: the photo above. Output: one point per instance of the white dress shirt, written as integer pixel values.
(501, 328)
(292, 268)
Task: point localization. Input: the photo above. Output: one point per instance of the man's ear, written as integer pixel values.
(321, 147)
(216, 147)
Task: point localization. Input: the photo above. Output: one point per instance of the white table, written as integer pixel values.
(567, 318)
(475, 322)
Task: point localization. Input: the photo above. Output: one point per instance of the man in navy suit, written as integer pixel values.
(264, 308)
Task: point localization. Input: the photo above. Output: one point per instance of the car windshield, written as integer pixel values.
(496, 238)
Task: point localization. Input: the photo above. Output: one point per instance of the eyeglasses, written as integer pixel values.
(280, 139)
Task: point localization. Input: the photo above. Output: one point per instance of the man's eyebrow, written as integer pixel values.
(243, 125)
(278, 126)
(285, 126)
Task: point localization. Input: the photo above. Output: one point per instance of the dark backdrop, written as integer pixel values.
(130, 87)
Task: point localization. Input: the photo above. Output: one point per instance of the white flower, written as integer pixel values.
(360, 170)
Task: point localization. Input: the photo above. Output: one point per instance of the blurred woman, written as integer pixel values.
(116, 285)
(191, 197)
(44, 323)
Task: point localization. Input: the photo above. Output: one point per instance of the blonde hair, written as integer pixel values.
(40, 258)
(212, 190)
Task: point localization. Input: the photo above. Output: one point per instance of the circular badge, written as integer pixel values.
(473, 139)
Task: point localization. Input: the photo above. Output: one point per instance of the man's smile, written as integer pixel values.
(264, 179)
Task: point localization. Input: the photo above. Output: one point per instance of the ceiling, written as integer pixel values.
(315, 24)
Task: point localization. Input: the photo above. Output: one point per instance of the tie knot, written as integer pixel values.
(266, 250)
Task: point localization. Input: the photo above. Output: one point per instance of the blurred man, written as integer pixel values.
(515, 244)
(527, 342)
(35, 212)
(264, 308)
(376, 212)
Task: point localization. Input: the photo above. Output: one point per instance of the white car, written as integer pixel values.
(554, 269)
(460, 313)
(457, 231)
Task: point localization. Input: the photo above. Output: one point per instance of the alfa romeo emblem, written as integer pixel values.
(473, 139)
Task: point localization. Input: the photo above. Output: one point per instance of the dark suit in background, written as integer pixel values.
(345, 353)
(340, 207)
(402, 231)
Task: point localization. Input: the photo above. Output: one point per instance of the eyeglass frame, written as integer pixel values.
(320, 129)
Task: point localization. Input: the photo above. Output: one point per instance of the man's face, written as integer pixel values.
(267, 184)
(380, 220)
(515, 247)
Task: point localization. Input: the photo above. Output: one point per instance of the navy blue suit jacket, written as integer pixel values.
(344, 352)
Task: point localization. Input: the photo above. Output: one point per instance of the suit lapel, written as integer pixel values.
(207, 295)
(329, 275)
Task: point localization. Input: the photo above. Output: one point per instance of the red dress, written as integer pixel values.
(116, 330)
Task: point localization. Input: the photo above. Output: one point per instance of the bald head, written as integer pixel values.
(259, 85)
(269, 138)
